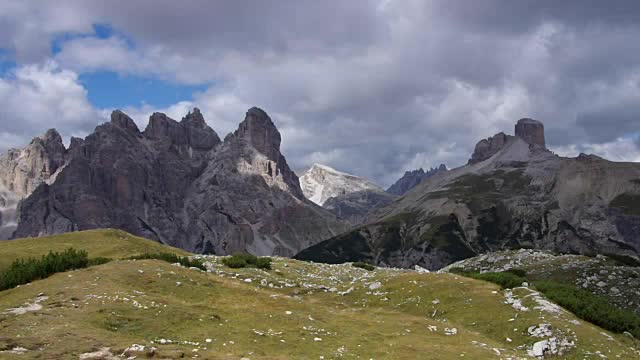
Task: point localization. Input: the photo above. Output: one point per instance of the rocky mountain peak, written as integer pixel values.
(486, 148)
(258, 129)
(192, 131)
(194, 118)
(322, 182)
(123, 121)
(23, 170)
(531, 131)
(160, 125)
(178, 184)
(54, 148)
(412, 178)
(52, 136)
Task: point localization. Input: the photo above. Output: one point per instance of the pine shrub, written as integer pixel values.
(244, 260)
(363, 265)
(506, 279)
(592, 308)
(171, 258)
(23, 271)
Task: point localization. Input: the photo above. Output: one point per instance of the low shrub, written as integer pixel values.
(623, 260)
(458, 271)
(235, 262)
(23, 271)
(592, 308)
(244, 260)
(98, 261)
(518, 272)
(171, 258)
(506, 279)
(264, 263)
(363, 265)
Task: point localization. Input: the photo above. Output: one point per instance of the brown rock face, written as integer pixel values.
(531, 131)
(486, 148)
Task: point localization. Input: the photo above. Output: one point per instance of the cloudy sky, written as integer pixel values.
(369, 87)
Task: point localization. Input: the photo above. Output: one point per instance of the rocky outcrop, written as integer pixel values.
(192, 133)
(486, 148)
(615, 278)
(354, 207)
(521, 196)
(177, 183)
(412, 178)
(23, 170)
(531, 131)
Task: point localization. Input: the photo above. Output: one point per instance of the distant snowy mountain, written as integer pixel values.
(321, 183)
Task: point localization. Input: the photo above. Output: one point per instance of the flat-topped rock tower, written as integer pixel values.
(531, 131)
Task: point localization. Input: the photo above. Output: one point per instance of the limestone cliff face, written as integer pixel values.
(248, 198)
(23, 170)
(514, 193)
(531, 131)
(486, 148)
(178, 183)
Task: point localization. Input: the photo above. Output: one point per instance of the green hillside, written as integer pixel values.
(297, 310)
(115, 244)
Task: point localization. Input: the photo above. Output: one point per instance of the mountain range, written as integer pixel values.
(412, 178)
(513, 193)
(175, 182)
(179, 183)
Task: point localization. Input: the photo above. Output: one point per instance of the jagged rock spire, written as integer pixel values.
(192, 131)
(486, 148)
(258, 129)
(531, 131)
(123, 121)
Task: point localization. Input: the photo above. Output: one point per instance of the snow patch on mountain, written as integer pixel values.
(321, 183)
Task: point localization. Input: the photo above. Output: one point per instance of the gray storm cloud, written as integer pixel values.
(370, 87)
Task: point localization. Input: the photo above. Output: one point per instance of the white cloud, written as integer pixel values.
(621, 149)
(34, 98)
(28, 27)
(374, 88)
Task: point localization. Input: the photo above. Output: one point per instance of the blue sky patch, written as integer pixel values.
(6, 64)
(100, 31)
(110, 90)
